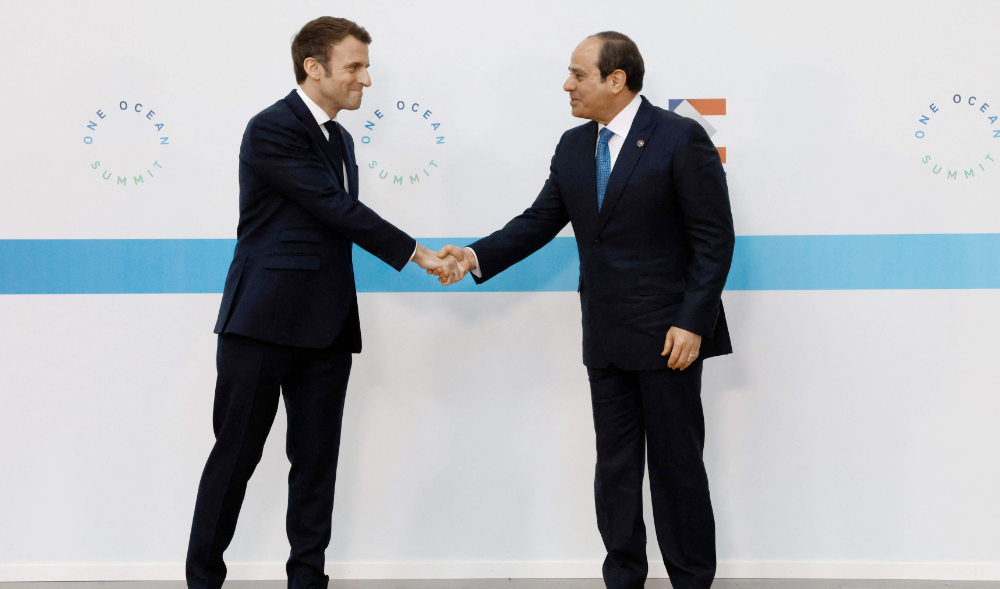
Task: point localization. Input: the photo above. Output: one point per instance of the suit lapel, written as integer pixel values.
(586, 152)
(301, 111)
(628, 157)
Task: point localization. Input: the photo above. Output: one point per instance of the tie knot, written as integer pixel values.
(606, 134)
(332, 127)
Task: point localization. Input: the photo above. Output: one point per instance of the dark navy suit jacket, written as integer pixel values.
(291, 281)
(658, 252)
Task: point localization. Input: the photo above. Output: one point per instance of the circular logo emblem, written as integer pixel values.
(958, 137)
(401, 146)
(126, 144)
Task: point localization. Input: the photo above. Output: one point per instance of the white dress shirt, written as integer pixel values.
(620, 126)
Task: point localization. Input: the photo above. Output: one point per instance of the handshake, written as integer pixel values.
(450, 264)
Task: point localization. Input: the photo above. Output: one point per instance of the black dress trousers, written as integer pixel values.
(659, 413)
(251, 377)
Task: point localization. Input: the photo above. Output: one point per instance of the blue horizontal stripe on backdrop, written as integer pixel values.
(766, 262)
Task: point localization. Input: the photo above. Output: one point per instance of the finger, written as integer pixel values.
(668, 344)
(689, 357)
(445, 275)
(677, 355)
(682, 347)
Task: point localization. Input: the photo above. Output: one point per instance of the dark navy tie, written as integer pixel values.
(336, 146)
(603, 164)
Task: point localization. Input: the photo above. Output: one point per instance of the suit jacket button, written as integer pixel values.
(597, 242)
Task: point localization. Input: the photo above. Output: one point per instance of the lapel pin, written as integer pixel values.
(640, 142)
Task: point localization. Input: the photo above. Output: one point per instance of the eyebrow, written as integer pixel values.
(576, 70)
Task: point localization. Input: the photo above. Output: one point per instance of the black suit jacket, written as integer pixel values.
(658, 252)
(291, 281)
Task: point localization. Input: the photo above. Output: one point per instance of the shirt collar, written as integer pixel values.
(622, 122)
(317, 112)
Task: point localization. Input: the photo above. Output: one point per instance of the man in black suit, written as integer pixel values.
(289, 315)
(647, 197)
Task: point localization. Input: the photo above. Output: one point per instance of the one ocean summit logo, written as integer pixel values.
(958, 137)
(402, 145)
(126, 143)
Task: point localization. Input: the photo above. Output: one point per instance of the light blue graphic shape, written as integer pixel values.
(764, 262)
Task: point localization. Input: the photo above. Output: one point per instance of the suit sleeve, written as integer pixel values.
(708, 222)
(525, 233)
(283, 156)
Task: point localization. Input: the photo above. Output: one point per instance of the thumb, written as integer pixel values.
(449, 250)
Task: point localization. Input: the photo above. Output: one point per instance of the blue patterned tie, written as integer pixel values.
(603, 164)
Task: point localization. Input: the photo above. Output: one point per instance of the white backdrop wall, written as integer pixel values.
(852, 434)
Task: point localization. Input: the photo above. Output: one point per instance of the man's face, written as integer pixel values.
(589, 96)
(346, 75)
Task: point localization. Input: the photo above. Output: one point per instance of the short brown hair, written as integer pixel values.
(618, 52)
(316, 38)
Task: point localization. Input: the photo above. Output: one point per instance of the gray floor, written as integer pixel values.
(530, 584)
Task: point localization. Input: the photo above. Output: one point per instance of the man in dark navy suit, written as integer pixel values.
(647, 197)
(289, 315)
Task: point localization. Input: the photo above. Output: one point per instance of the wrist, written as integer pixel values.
(469, 261)
(420, 254)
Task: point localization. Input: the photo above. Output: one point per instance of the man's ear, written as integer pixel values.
(313, 68)
(617, 81)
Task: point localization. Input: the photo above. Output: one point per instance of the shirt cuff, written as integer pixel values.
(475, 268)
(414, 254)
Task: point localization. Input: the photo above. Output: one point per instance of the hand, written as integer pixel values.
(465, 258)
(683, 347)
(447, 270)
